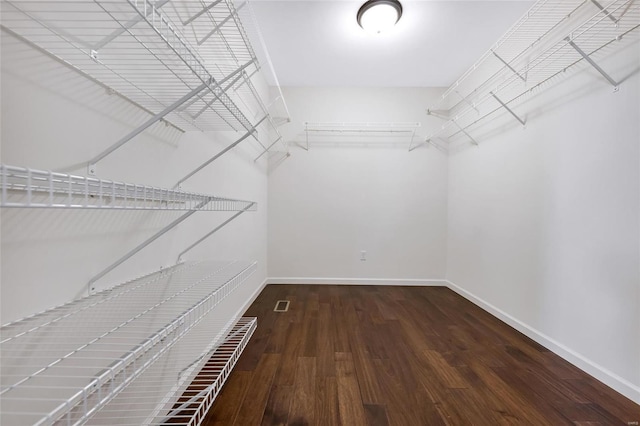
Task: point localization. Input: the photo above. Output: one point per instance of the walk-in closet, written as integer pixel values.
(316, 212)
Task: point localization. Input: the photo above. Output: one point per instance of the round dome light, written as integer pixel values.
(376, 16)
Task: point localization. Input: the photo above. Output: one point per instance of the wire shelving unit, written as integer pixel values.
(360, 133)
(188, 62)
(551, 38)
(132, 354)
(29, 188)
(155, 349)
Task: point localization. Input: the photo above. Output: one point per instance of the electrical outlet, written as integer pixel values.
(363, 255)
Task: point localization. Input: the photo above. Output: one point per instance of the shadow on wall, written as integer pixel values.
(503, 122)
(50, 75)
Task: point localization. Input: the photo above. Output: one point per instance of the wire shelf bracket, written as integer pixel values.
(220, 24)
(125, 27)
(473, 141)
(200, 13)
(278, 139)
(205, 85)
(591, 62)
(91, 284)
(506, 64)
(220, 154)
(605, 11)
(509, 110)
(216, 229)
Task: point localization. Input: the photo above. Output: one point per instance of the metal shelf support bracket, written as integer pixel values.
(509, 66)
(586, 57)
(467, 101)
(220, 24)
(197, 15)
(92, 281)
(473, 141)
(216, 229)
(278, 139)
(221, 153)
(159, 116)
(147, 124)
(126, 27)
(441, 114)
(508, 109)
(605, 11)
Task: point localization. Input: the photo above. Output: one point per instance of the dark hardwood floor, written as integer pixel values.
(409, 356)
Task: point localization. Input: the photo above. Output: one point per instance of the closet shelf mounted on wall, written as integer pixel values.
(28, 188)
(188, 63)
(360, 133)
(550, 39)
(137, 353)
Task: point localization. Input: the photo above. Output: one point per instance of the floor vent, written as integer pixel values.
(281, 306)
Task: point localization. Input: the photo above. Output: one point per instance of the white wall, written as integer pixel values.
(544, 223)
(328, 204)
(55, 119)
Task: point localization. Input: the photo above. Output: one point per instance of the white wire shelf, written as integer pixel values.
(153, 53)
(360, 133)
(124, 355)
(28, 188)
(537, 50)
(188, 402)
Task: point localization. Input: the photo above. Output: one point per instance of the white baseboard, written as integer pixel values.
(357, 281)
(607, 377)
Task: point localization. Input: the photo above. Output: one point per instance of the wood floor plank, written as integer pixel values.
(376, 415)
(447, 374)
(256, 397)
(327, 410)
(302, 409)
(276, 412)
(225, 408)
(398, 356)
(349, 398)
(325, 359)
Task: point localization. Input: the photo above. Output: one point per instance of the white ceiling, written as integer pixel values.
(319, 43)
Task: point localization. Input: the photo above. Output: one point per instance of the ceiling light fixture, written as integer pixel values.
(376, 16)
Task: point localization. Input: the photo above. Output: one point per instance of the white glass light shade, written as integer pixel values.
(376, 16)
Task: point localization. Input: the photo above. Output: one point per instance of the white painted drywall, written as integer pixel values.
(328, 204)
(544, 223)
(55, 119)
